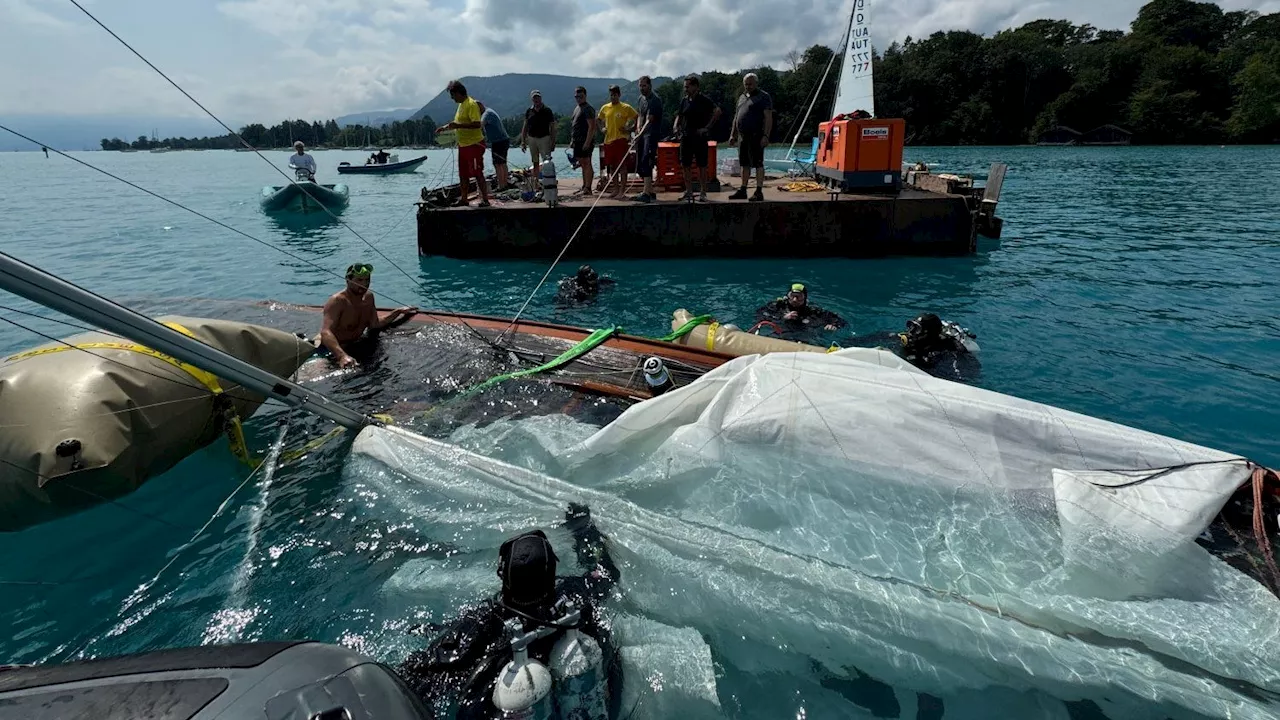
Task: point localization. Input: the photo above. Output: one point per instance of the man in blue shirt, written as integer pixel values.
(499, 143)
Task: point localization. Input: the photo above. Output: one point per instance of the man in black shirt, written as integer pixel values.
(650, 111)
(583, 136)
(752, 123)
(697, 116)
(538, 135)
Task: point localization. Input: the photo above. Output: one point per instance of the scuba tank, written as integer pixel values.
(523, 688)
(656, 376)
(960, 335)
(577, 668)
(547, 175)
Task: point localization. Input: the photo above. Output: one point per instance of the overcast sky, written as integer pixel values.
(268, 59)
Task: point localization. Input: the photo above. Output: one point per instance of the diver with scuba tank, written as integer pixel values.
(538, 649)
(939, 347)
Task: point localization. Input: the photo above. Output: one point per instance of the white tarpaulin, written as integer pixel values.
(883, 523)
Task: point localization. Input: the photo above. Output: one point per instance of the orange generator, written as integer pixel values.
(861, 155)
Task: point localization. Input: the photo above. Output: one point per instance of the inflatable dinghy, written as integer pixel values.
(304, 197)
(304, 680)
(81, 428)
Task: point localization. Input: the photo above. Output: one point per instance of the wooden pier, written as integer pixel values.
(926, 217)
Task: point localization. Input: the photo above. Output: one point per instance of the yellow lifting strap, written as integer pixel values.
(235, 430)
(711, 335)
(318, 442)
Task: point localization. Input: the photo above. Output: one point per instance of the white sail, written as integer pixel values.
(856, 91)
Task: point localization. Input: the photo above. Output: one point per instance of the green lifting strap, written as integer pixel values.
(687, 328)
(591, 342)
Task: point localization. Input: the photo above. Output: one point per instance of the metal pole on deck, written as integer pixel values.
(32, 283)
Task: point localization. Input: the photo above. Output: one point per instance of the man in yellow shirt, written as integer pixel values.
(471, 147)
(619, 119)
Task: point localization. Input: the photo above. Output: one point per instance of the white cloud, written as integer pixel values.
(267, 59)
(21, 13)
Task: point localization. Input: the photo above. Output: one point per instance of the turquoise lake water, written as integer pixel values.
(1138, 285)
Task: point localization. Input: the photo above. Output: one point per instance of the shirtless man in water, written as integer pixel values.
(351, 312)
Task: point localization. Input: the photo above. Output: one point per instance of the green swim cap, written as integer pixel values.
(797, 287)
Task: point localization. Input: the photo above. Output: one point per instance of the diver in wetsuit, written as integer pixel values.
(940, 348)
(458, 669)
(798, 320)
(583, 286)
(926, 341)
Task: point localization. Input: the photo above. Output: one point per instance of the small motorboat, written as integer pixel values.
(346, 168)
(305, 196)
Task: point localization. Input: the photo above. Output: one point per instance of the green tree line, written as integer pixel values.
(1187, 72)
(314, 134)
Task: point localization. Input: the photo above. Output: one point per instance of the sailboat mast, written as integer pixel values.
(817, 91)
(30, 282)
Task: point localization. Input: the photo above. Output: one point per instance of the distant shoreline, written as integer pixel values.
(446, 147)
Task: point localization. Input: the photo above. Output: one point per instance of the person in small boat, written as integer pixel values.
(460, 665)
(378, 158)
(352, 313)
(584, 285)
(797, 319)
(300, 160)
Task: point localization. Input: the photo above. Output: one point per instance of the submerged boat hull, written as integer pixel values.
(316, 198)
(386, 169)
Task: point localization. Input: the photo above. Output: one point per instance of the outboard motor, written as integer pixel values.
(547, 175)
(657, 377)
(577, 669)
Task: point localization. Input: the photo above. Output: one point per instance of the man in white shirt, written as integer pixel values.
(302, 161)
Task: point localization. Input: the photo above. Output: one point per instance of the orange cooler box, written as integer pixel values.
(861, 155)
(669, 172)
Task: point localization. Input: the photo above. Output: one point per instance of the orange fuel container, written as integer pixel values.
(861, 155)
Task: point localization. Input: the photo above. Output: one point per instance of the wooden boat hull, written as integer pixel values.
(604, 371)
(406, 166)
(291, 198)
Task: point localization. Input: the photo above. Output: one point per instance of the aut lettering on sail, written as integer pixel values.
(856, 90)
